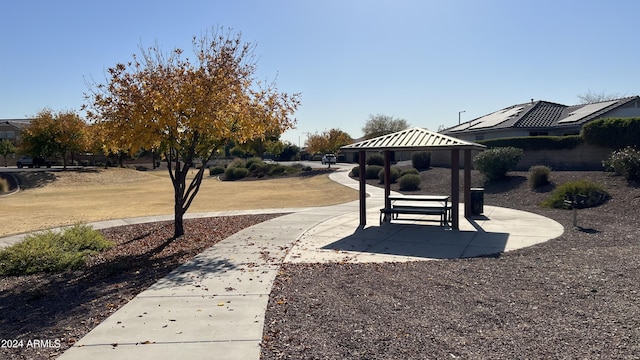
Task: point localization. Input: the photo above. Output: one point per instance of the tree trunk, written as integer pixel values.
(183, 194)
(178, 226)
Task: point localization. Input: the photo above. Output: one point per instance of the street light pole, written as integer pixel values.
(460, 112)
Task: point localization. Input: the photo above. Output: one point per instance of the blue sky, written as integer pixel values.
(420, 60)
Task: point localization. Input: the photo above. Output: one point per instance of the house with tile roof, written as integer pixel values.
(537, 118)
(11, 129)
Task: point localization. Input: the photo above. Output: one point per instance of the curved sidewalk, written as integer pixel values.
(214, 305)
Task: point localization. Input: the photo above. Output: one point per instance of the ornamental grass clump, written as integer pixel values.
(584, 193)
(253, 160)
(277, 170)
(52, 252)
(259, 169)
(235, 173)
(538, 176)
(237, 163)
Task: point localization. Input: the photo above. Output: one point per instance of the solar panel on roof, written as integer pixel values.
(465, 125)
(496, 118)
(585, 111)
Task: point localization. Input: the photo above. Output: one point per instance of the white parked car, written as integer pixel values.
(329, 159)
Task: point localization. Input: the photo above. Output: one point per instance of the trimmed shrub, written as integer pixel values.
(355, 171)
(251, 161)
(235, 173)
(216, 170)
(625, 162)
(409, 182)
(259, 169)
(410, 171)
(536, 142)
(421, 160)
(586, 193)
(375, 159)
(277, 170)
(615, 133)
(538, 176)
(394, 172)
(51, 252)
(372, 171)
(237, 163)
(495, 163)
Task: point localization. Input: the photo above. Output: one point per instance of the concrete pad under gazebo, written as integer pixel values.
(418, 139)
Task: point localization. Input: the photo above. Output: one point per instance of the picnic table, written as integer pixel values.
(417, 205)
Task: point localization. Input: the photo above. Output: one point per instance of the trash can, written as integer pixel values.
(477, 201)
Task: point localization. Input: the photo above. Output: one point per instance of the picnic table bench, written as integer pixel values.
(417, 205)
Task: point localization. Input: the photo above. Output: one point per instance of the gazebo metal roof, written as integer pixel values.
(413, 139)
(416, 139)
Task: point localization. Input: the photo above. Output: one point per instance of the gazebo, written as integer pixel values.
(418, 139)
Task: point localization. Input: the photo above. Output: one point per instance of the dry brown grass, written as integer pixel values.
(62, 198)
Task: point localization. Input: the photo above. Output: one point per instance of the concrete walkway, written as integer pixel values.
(214, 305)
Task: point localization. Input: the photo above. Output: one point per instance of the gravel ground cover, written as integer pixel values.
(63, 308)
(574, 297)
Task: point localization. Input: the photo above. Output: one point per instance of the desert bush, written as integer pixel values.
(625, 162)
(375, 159)
(495, 163)
(372, 171)
(291, 170)
(235, 173)
(538, 176)
(51, 252)
(306, 168)
(536, 142)
(216, 170)
(4, 185)
(277, 170)
(355, 171)
(421, 160)
(410, 171)
(586, 193)
(394, 172)
(259, 169)
(237, 163)
(409, 182)
(251, 161)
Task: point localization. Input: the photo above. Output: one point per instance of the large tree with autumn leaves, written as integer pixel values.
(328, 142)
(188, 108)
(52, 133)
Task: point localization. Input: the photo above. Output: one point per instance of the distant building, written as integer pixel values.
(537, 118)
(11, 129)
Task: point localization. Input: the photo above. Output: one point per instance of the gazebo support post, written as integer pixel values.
(467, 183)
(387, 178)
(455, 189)
(363, 185)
